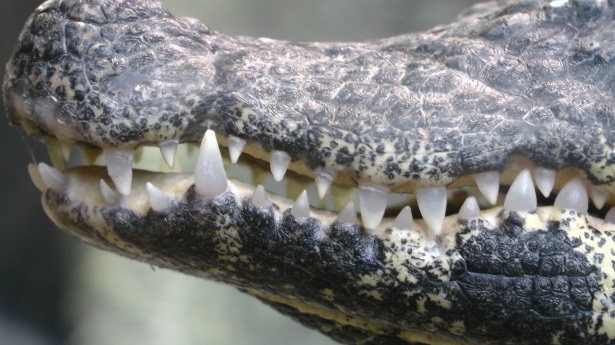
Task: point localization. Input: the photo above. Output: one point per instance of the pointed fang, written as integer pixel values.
(404, 219)
(279, 164)
(235, 147)
(545, 179)
(36, 178)
(323, 179)
(573, 196)
(301, 207)
(489, 184)
(372, 203)
(432, 203)
(119, 168)
(521, 195)
(110, 196)
(348, 215)
(54, 148)
(67, 149)
(52, 177)
(599, 197)
(209, 175)
(259, 197)
(158, 200)
(469, 209)
(168, 149)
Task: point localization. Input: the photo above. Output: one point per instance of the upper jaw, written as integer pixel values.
(158, 104)
(237, 87)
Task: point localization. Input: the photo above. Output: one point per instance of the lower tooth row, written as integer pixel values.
(211, 181)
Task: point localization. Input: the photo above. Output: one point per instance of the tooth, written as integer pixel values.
(545, 179)
(599, 196)
(348, 215)
(279, 164)
(67, 149)
(53, 178)
(432, 204)
(489, 184)
(168, 149)
(610, 216)
(158, 200)
(119, 167)
(323, 179)
(372, 203)
(36, 177)
(469, 209)
(404, 219)
(259, 198)
(301, 207)
(210, 177)
(235, 147)
(55, 153)
(573, 196)
(521, 195)
(110, 196)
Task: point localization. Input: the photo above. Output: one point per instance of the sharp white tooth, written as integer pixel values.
(610, 216)
(432, 204)
(545, 179)
(348, 215)
(259, 198)
(52, 177)
(119, 167)
(404, 219)
(599, 197)
(521, 195)
(235, 147)
(67, 149)
(55, 153)
(489, 184)
(279, 163)
(36, 177)
(469, 209)
(158, 200)
(323, 179)
(110, 196)
(209, 175)
(168, 149)
(573, 196)
(372, 203)
(301, 207)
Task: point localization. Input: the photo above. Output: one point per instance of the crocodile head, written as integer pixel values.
(442, 135)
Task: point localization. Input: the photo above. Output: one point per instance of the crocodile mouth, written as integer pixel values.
(146, 179)
(453, 186)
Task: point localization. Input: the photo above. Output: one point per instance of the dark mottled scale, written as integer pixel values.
(510, 77)
(515, 77)
(501, 281)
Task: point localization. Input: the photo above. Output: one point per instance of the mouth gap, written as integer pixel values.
(256, 171)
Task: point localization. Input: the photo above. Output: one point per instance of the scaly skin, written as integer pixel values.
(516, 78)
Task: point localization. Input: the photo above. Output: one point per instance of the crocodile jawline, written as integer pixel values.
(516, 89)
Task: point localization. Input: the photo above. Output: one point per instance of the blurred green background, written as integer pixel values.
(56, 290)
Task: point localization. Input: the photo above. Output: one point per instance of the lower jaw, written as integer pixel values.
(84, 189)
(276, 256)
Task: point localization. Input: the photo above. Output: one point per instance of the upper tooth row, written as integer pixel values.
(211, 180)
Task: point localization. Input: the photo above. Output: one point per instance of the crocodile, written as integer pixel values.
(496, 130)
